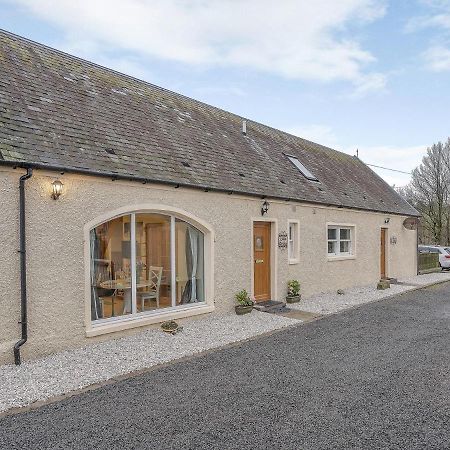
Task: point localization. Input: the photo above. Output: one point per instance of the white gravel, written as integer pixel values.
(331, 302)
(67, 371)
(71, 370)
(429, 278)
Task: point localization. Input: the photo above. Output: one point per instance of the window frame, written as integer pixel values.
(295, 257)
(336, 256)
(138, 319)
(295, 161)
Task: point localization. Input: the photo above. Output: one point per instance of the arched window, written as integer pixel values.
(144, 262)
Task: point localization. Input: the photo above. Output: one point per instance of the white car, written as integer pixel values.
(444, 254)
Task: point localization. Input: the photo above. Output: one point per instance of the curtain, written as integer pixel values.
(192, 244)
(96, 305)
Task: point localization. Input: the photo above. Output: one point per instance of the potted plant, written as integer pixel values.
(293, 295)
(171, 327)
(245, 304)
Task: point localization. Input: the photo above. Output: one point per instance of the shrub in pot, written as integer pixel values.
(293, 295)
(244, 303)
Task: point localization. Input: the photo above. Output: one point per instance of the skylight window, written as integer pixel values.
(302, 169)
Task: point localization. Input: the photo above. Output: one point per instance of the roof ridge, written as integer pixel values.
(177, 94)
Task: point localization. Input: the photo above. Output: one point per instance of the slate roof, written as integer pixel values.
(60, 111)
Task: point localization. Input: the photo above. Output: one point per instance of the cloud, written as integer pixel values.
(437, 58)
(370, 83)
(403, 158)
(321, 134)
(430, 21)
(226, 90)
(295, 39)
(400, 158)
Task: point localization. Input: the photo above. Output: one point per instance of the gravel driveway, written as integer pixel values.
(71, 370)
(372, 377)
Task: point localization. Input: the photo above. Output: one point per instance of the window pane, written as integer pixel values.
(332, 233)
(332, 247)
(345, 233)
(189, 244)
(345, 247)
(291, 231)
(303, 170)
(291, 250)
(153, 271)
(110, 269)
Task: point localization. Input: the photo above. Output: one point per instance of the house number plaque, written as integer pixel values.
(282, 240)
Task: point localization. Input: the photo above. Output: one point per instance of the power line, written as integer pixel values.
(387, 168)
(384, 168)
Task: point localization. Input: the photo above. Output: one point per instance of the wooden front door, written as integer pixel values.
(261, 260)
(383, 253)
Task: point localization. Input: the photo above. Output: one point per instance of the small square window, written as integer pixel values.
(340, 241)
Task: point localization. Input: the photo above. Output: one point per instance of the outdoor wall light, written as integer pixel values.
(387, 220)
(57, 188)
(265, 207)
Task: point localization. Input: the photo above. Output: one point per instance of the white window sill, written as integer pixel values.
(128, 322)
(340, 257)
(294, 261)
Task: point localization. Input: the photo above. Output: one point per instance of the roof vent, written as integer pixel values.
(244, 127)
(186, 164)
(110, 151)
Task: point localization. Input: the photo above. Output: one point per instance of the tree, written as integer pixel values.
(429, 193)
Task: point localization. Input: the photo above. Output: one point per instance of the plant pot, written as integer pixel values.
(293, 299)
(241, 309)
(383, 284)
(170, 326)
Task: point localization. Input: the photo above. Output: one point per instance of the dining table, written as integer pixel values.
(125, 286)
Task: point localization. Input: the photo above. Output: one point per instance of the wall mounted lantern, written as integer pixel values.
(386, 221)
(57, 188)
(265, 207)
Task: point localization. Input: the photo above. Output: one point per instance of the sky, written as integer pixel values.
(372, 75)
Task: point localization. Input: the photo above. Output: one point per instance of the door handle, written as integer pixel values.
(259, 261)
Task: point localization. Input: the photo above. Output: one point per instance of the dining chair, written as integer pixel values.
(105, 273)
(154, 285)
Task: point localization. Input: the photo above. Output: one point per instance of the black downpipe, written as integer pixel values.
(23, 267)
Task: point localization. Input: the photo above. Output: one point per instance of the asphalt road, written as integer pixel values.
(375, 377)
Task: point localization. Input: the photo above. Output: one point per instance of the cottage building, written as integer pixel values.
(142, 205)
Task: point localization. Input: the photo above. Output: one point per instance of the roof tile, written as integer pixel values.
(60, 110)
